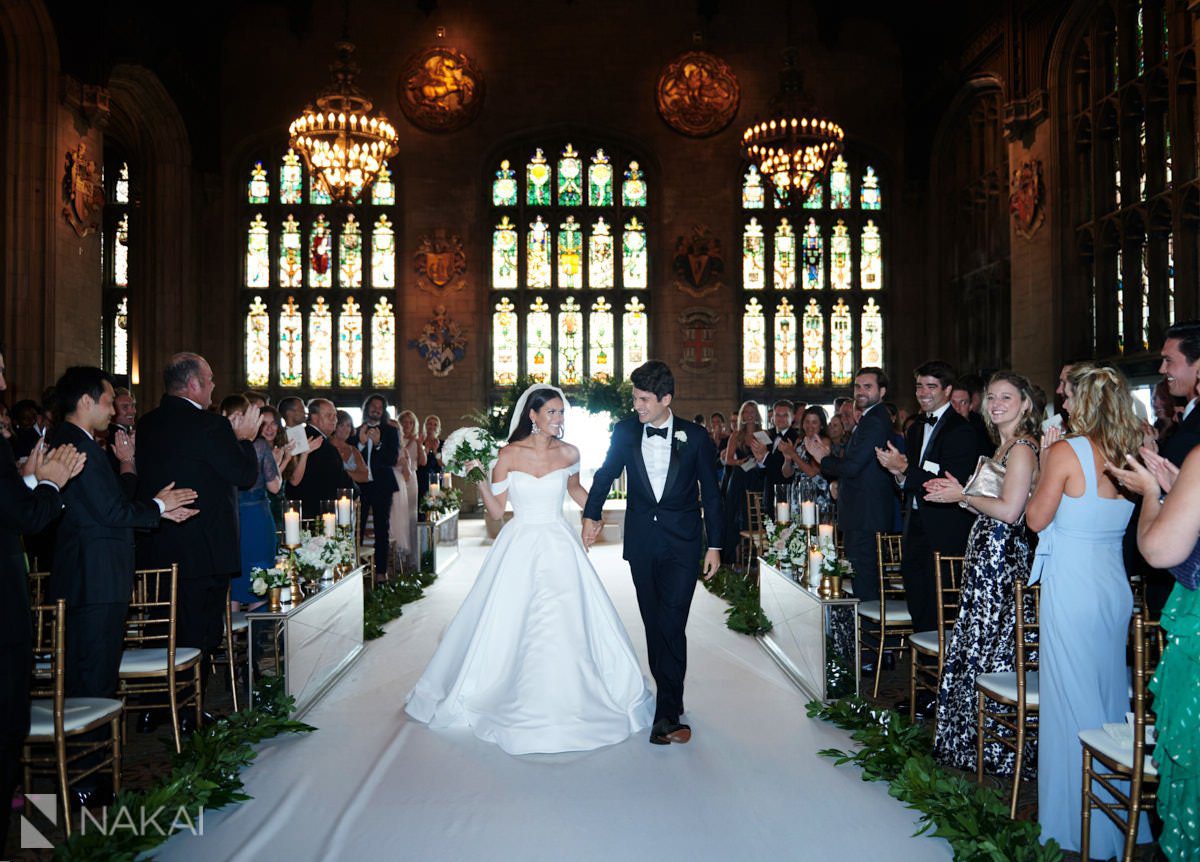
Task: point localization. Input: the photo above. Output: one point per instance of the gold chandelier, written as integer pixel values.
(343, 145)
(794, 147)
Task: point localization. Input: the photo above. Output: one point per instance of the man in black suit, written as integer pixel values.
(379, 443)
(777, 469)
(23, 510)
(966, 398)
(28, 427)
(94, 560)
(866, 492)
(181, 441)
(672, 471)
(940, 442)
(324, 475)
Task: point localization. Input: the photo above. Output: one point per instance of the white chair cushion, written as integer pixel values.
(77, 712)
(1004, 685)
(238, 621)
(925, 642)
(151, 660)
(897, 612)
(1099, 739)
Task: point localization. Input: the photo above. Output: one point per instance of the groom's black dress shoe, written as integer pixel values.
(665, 732)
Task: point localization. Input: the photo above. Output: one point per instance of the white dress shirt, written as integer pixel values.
(926, 433)
(1191, 405)
(656, 452)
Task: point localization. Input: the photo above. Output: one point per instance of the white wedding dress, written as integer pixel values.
(536, 660)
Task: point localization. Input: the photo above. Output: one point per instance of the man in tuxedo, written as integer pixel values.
(672, 470)
(180, 440)
(324, 475)
(379, 443)
(27, 504)
(94, 560)
(776, 468)
(866, 492)
(940, 442)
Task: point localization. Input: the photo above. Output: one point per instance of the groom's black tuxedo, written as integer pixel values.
(663, 540)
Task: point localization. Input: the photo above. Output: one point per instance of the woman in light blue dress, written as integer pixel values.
(1081, 518)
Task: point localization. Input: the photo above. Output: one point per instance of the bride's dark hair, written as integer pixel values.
(537, 398)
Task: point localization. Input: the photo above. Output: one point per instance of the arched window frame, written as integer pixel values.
(621, 298)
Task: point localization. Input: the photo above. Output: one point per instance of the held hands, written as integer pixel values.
(892, 459)
(712, 562)
(590, 532)
(123, 446)
(245, 425)
(944, 489)
(817, 448)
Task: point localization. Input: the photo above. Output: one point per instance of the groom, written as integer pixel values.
(672, 467)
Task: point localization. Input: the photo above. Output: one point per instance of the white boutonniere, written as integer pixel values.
(681, 437)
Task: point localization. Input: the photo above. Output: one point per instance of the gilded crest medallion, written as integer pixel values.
(83, 194)
(440, 90)
(698, 94)
(698, 263)
(440, 262)
(1027, 201)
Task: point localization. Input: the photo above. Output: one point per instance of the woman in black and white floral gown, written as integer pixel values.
(998, 553)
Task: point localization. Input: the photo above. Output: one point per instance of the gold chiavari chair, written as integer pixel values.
(1010, 700)
(37, 588)
(1106, 760)
(365, 551)
(57, 720)
(152, 665)
(236, 645)
(887, 621)
(926, 646)
(753, 538)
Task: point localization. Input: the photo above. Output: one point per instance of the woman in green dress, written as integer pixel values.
(1168, 533)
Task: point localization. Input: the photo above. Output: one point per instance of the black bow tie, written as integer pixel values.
(929, 419)
(651, 431)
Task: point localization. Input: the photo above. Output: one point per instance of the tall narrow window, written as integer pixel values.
(117, 232)
(570, 263)
(312, 276)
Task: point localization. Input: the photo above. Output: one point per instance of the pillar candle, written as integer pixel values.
(782, 513)
(343, 511)
(808, 513)
(815, 560)
(329, 523)
(291, 528)
(435, 491)
(825, 535)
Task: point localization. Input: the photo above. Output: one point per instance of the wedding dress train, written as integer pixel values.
(536, 660)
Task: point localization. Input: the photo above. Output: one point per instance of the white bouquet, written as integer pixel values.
(318, 553)
(465, 445)
(265, 579)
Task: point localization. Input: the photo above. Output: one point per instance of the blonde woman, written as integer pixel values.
(405, 502)
(1080, 516)
(737, 454)
(431, 439)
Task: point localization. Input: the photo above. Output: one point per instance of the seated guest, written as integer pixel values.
(259, 543)
(1080, 517)
(352, 461)
(998, 554)
(323, 476)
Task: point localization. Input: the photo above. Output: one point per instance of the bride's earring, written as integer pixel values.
(535, 429)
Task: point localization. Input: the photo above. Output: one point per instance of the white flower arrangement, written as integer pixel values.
(318, 553)
(465, 445)
(265, 579)
(784, 541)
(681, 436)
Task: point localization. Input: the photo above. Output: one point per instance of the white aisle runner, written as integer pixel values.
(371, 784)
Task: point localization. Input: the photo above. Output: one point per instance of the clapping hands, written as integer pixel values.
(817, 448)
(175, 501)
(1145, 479)
(758, 448)
(944, 489)
(892, 459)
(245, 425)
(60, 466)
(123, 446)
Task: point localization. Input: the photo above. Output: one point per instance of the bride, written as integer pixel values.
(536, 659)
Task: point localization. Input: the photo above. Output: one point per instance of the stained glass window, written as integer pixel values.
(383, 345)
(350, 272)
(570, 178)
(258, 257)
(120, 358)
(258, 344)
(802, 251)
(115, 236)
(600, 180)
(121, 253)
(570, 254)
(601, 344)
(259, 191)
(539, 346)
(121, 192)
(570, 343)
(591, 248)
(320, 344)
(754, 348)
(505, 347)
(344, 338)
(633, 257)
(785, 344)
(753, 253)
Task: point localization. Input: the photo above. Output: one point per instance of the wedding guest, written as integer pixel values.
(843, 408)
(1168, 410)
(816, 486)
(1081, 517)
(940, 443)
(838, 438)
(998, 555)
(866, 493)
(379, 443)
(259, 542)
(900, 427)
(966, 404)
(281, 452)
(1167, 531)
(744, 475)
(256, 398)
(777, 469)
(431, 440)
(180, 440)
(405, 503)
(30, 427)
(718, 433)
(322, 477)
(1056, 426)
(27, 504)
(291, 409)
(353, 462)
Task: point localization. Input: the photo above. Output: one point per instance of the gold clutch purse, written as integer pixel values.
(987, 480)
